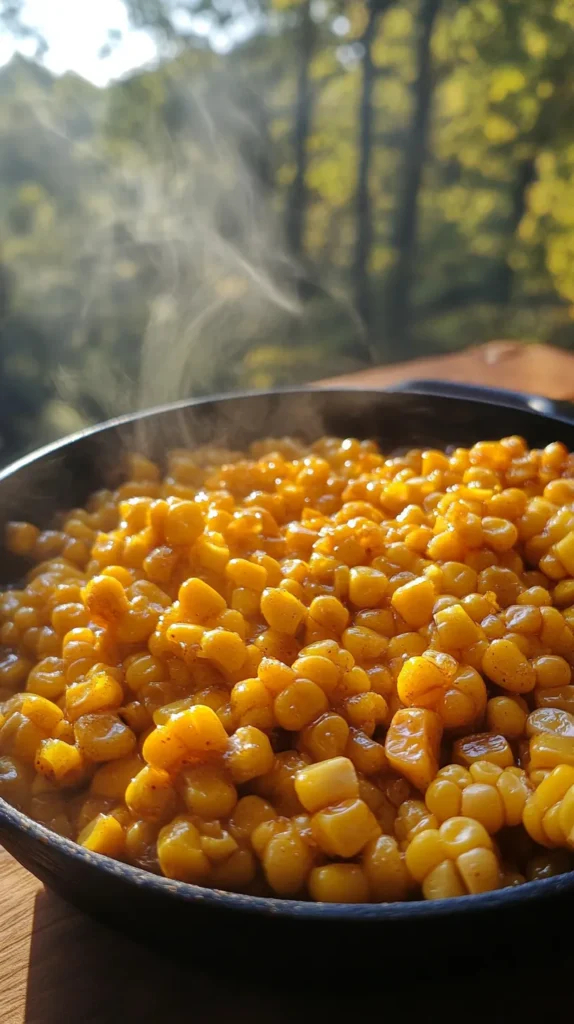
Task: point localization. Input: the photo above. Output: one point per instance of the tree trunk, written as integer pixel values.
(363, 212)
(404, 236)
(297, 202)
(503, 280)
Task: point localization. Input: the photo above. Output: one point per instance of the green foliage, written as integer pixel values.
(145, 227)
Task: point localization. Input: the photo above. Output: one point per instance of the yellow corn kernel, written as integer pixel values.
(101, 692)
(103, 737)
(339, 883)
(422, 683)
(326, 783)
(224, 648)
(548, 750)
(274, 675)
(47, 678)
(364, 644)
(105, 599)
(479, 870)
(424, 853)
(247, 574)
(386, 871)
(179, 851)
(248, 814)
(329, 613)
(506, 666)
(412, 745)
(249, 754)
(282, 611)
(21, 538)
(460, 834)
(366, 711)
(150, 795)
(443, 798)
(507, 716)
(200, 731)
(367, 755)
(552, 671)
(103, 835)
(183, 523)
(319, 670)
(456, 630)
(414, 601)
(111, 780)
(443, 882)
(252, 704)
(367, 586)
(299, 704)
(208, 791)
(287, 862)
(198, 601)
(483, 803)
(483, 746)
(59, 762)
(344, 829)
(326, 737)
(551, 720)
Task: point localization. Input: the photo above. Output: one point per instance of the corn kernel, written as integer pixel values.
(326, 783)
(339, 883)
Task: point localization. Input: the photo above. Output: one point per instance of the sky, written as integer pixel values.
(75, 31)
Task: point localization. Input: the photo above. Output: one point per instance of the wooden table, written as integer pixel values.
(57, 966)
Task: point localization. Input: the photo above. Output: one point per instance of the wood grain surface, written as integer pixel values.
(57, 966)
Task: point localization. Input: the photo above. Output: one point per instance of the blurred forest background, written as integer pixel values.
(339, 184)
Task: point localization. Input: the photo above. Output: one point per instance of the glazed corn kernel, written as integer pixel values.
(103, 835)
(326, 783)
(243, 670)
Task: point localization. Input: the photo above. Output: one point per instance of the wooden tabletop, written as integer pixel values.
(57, 966)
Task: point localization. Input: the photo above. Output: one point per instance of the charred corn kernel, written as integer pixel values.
(412, 745)
(59, 762)
(179, 851)
(484, 746)
(282, 611)
(507, 716)
(325, 783)
(326, 737)
(414, 601)
(103, 737)
(344, 829)
(386, 871)
(208, 791)
(299, 704)
(367, 586)
(552, 671)
(339, 883)
(287, 862)
(99, 693)
(252, 704)
(103, 835)
(249, 754)
(506, 666)
(150, 795)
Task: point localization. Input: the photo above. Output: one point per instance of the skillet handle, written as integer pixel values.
(551, 407)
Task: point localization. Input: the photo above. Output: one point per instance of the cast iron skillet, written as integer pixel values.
(197, 922)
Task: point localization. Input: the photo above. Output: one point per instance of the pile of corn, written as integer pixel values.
(307, 671)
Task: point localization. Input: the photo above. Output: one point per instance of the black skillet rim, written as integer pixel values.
(530, 893)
